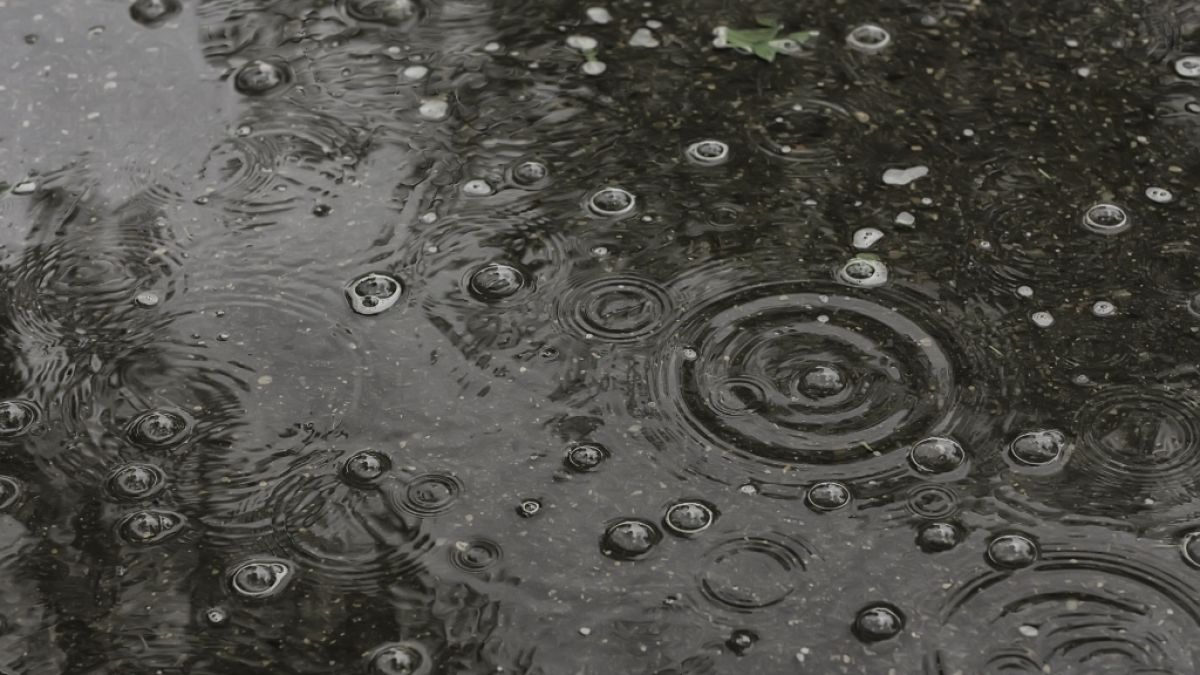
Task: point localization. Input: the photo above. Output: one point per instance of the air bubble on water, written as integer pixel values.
(1042, 319)
(415, 72)
(1025, 291)
(373, 293)
(27, 187)
(583, 43)
(529, 508)
(629, 539)
(16, 417)
(1012, 551)
(366, 467)
(1036, 448)
(433, 108)
(492, 47)
(11, 490)
(260, 77)
(937, 455)
(496, 281)
(1106, 219)
(150, 526)
(477, 188)
(611, 201)
(822, 380)
(905, 218)
(642, 37)
(153, 13)
(399, 658)
(1159, 195)
(1192, 107)
(593, 67)
(878, 622)
(938, 536)
(868, 38)
(689, 517)
(146, 298)
(748, 489)
(216, 616)
(690, 354)
(905, 176)
(135, 481)
(159, 428)
(529, 173)
(1188, 66)
(585, 457)
(827, 496)
(1103, 308)
(708, 152)
(740, 641)
(599, 15)
(866, 237)
(864, 272)
(260, 578)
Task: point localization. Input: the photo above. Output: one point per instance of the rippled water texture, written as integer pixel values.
(562, 338)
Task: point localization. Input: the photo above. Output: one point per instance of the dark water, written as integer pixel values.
(381, 337)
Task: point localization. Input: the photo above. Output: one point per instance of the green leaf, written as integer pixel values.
(750, 37)
(803, 36)
(765, 51)
(768, 21)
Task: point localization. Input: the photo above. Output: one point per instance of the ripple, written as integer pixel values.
(135, 482)
(1114, 610)
(159, 429)
(430, 494)
(154, 13)
(475, 555)
(17, 417)
(932, 501)
(753, 572)
(707, 153)
(1106, 219)
(151, 526)
(260, 578)
(1170, 269)
(11, 491)
(620, 308)
(262, 77)
(399, 658)
(808, 133)
(843, 385)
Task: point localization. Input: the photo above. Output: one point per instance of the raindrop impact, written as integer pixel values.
(261, 77)
(133, 482)
(868, 38)
(708, 153)
(16, 417)
(150, 527)
(11, 490)
(373, 293)
(1036, 448)
(1012, 551)
(494, 282)
(586, 457)
(162, 428)
(260, 578)
(1106, 219)
(827, 496)
(611, 202)
(878, 622)
(431, 494)
(154, 13)
(476, 555)
(937, 455)
(366, 467)
(629, 539)
(530, 174)
(863, 272)
(741, 640)
(399, 658)
(529, 508)
(689, 518)
(938, 536)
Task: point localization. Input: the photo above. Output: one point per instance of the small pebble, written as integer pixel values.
(866, 238)
(1043, 319)
(599, 15)
(905, 176)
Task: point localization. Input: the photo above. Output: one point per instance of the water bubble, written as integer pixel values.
(1189, 548)
(599, 15)
(1042, 319)
(878, 622)
(1159, 195)
(373, 293)
(690, 354)
(434, 109)
(905, 219)
(414, 72)
(937, 455)
(629, 539)
(863, 272)
(494, 282)
(866, 237)
(159, 428)
(154, 13)
(1025, 291)
(593, 67)
(708, 152)
(1103, 308)
(1188, 66)
(905, 176)
(1012, 551)
(431, 494)
(150, 526)
(135, 481)
(642, 37)
(477, 188)
(1192, 107)
(938, 536)
(366, 467)
(476, 555)
(11, 490)
(216, 616)
(146, 299)
(689, 518)
(611, 202)
(822, 381)
(741, 640)
(1035, 448)
(260, 577)
(827, 496)
(529, 508)
(530, 173)
(399, 658)
(17, 416)
(1106, 219)
(260, 77)
(383, 11)
(586, 457)
(583, 43)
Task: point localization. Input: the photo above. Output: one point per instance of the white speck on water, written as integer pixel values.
(867, 237)
(1083, 71)
(415, 72)
(583, 43)
(905, 176)
(654, 23)
(585, 631)
(428, 217)
(1043, 319)
(434, 108)
(24, 188)
(599, 15)
(1028, 631)
(1159, 195)
(146, 298)
(595, 67)
(1072, 43)
(642, 37)
(1188, 66)
(748, 489)
(968, 132)
(491, 47)
(1104, 308)
(1025, 291)
(477, 188)
(905, 218)
(689, 353)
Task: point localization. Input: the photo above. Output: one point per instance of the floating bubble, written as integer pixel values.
(1025, 291)
(938, 536)
(135, 481)
(822, 381)
(260, 77)
(1012, 551)
(431, 494)
(399, 658)
(827, 496)
(373, 293)
(150, 526)
(146, 299)
(1188, 66)
(477, 188)
(495, 282)
(1106, 219)
(1159, 195)
(260, 578)
(905, 219)
(708, 152)
(586, 457)
(17, 416)
(154, 13)
(11, 490)
(932, 501)
(878, 622)
(529, 508)
(599, 15)
(863, 272)
(866, 237)
(383, 11)
(1189, 548)
(611, 202)
(937, 455)
(366, 467)
(216, 616)
(529, 173)
(593, 67)
(618, 308)
(642, 37)
(1037, 448)
(582, 43)
(868, 38)
(741, 640)
(690, 517)
(434, 109)
(1042, 319)
(161, 428)
(476, 555)
(1103, 308)
(629, 539)
(905, 176)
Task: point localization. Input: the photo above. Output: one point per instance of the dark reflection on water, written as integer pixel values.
(402, 336)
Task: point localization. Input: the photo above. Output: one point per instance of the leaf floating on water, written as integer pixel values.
(762, 42)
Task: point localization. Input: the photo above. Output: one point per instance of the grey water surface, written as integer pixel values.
(578, 338)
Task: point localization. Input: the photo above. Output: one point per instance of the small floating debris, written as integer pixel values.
(763, 42)
(599, 15)
(905, 176)
(1042, 319)
(642, 37)
(867, 237)
(868, 38)
(1188, 66)
(434, 109)
(415, 72)
(1159, 195)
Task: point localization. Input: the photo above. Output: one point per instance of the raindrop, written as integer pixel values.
(399, 658)
(619, 308)
(373, 293)
(1159, 195)
(260, 578)
(477, 188)
(599, 15)
(937, 455)
(611, 202)
(864, 272)
(741, 640)
(937, 537)
(1035, 448)
(586, 457)
(1012, 551)
(154, 13)
(932, 501)
(16, 417)
(261, 77)
(494, 282)
(629, 539)
(866, 237)
(708, 152)
(365, 467)
(11, 490)
(593, 67)
(476, 555)
(1103, 308)
(1106, 219)
(1188, 66)
(150, 526)
(530, 173)
(529, 508)
(159, 428)
(431, 494)
(216, 616)
(135, 481)
(878, 622)
(822, 381)
(827, 496)
(689, 518)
